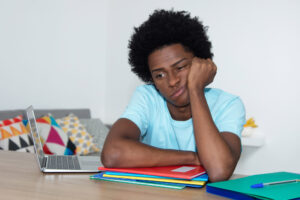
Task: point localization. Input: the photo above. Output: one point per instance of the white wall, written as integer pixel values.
(52, 54)
(76, 53)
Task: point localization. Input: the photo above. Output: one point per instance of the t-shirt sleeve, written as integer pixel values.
(232, 117)
(138, 110)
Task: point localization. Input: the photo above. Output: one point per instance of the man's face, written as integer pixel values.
(169, 67)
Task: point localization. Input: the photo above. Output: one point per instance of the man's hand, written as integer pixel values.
(202, 72)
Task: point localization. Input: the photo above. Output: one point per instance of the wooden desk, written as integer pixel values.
(20, 178)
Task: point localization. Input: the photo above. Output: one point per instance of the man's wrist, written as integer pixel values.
(196, 91)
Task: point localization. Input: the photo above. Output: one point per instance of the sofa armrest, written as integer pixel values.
(57, 113)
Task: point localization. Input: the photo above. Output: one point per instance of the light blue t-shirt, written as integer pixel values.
(148, 110)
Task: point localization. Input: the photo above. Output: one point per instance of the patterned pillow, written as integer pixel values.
(15, 137)
(78, 134)
(11, 121)
(53, 138)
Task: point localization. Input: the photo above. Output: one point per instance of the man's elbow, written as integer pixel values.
(221, 173)
(110, 158)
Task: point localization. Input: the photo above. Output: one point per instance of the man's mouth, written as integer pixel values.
(178, 92)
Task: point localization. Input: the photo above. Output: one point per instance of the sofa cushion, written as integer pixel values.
(98, 130)
(78, 134)
(15, 137)
(53, 138)
(9, 121)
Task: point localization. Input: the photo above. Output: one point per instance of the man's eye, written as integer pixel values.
(159, 76)
(181, 67)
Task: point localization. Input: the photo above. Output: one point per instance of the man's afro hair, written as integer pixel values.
(165, 28)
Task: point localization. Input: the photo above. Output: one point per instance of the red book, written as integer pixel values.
(182, 171)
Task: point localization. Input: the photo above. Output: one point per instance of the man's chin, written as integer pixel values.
(180, 105)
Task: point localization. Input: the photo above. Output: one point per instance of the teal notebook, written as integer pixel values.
(241, 188)
(95, 177)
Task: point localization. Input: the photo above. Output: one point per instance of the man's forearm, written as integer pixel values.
(213, 151)
(131, 153)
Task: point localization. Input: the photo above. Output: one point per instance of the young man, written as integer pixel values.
(175, 119)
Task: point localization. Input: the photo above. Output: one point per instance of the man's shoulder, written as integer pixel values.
(147, 90)
(215, 94)
(146, 87)
(149, 95)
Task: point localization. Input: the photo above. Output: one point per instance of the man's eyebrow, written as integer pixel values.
(174, 64)
(179, 61)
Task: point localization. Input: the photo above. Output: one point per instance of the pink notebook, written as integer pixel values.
(183, 171)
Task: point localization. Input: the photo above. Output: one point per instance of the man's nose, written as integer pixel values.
(173, 79)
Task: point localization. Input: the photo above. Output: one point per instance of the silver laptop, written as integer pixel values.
(59, 163)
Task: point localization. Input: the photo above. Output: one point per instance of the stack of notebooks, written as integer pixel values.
(175, 177)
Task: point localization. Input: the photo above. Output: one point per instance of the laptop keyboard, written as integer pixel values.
(63, 162)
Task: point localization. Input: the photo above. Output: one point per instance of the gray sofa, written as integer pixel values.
(93, 125)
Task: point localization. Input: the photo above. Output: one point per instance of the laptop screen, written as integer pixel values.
(35, 135)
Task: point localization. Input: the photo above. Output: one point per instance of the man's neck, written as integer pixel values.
(180, 113)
